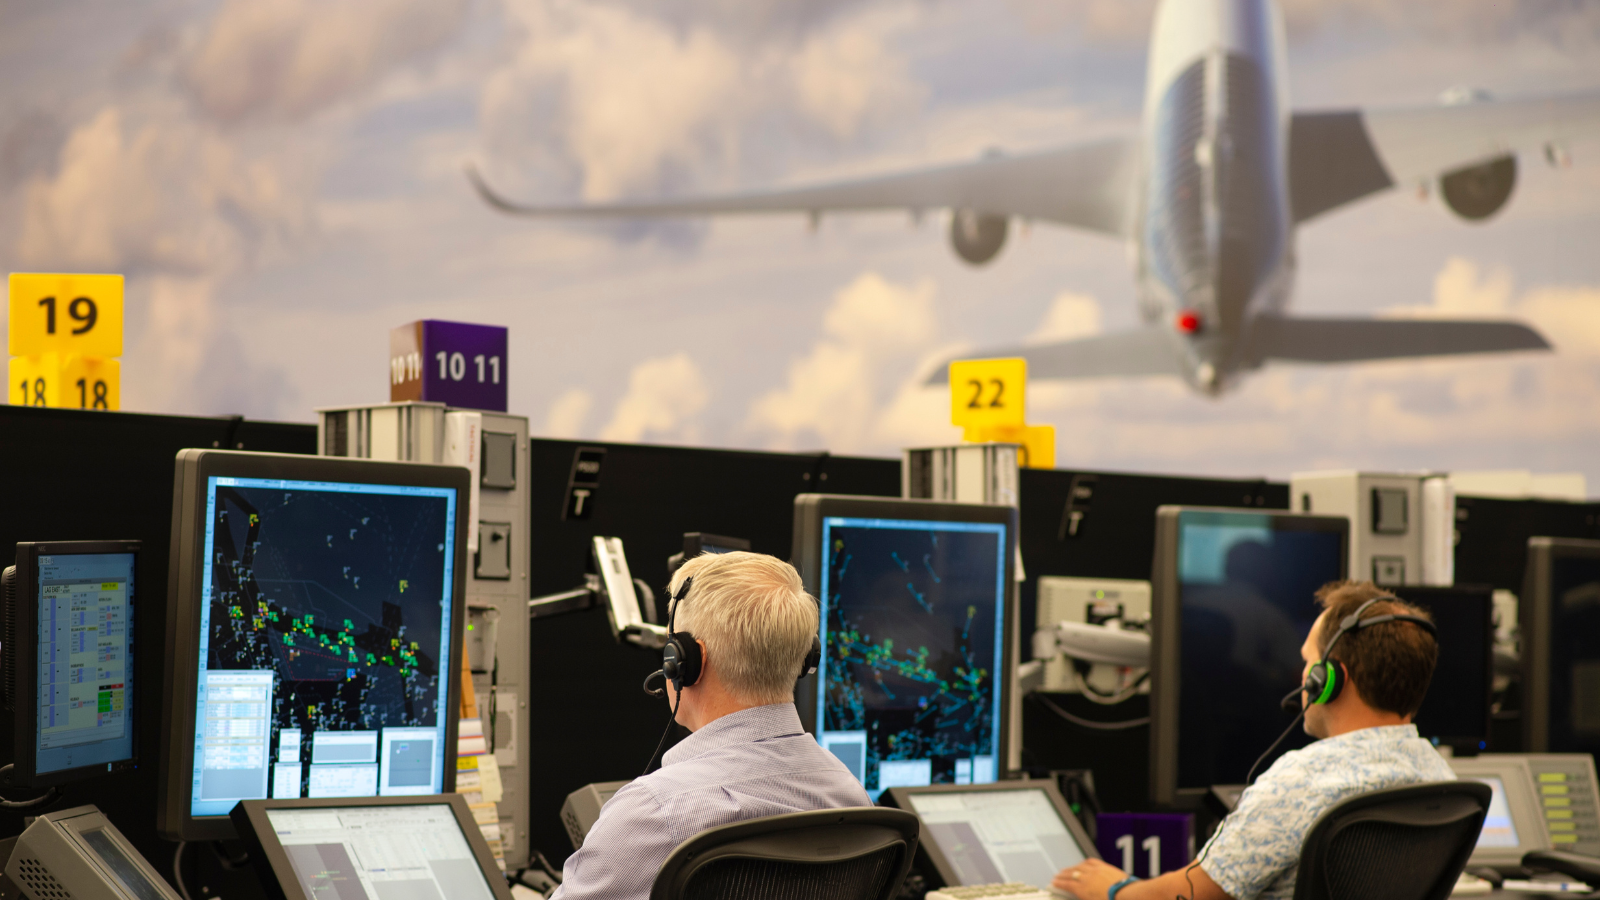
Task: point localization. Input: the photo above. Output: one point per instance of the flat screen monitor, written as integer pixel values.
(315, 607)
(1560, 624)
(69, 659)
(376, 848)
(1456, 711)
(1514, 825)
(983, 834)
(1232, 601)
(914, 680)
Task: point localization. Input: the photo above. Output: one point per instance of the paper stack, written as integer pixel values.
(478, 781)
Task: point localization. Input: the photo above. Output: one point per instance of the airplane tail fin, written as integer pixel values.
(1143, 351)
(1351, 340)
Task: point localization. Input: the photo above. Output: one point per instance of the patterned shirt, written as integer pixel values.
(1256, 851)
(752, 763)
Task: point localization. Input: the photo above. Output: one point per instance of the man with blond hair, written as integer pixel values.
(753, 624)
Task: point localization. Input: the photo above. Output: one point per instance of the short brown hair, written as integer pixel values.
(1391, 663)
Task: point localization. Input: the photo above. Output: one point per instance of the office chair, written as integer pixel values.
(1405, 843)
(859, 853)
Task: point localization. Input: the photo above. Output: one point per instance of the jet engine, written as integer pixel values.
(1477, 193)
(976, 236)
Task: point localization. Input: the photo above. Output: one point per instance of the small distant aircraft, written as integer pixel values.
(1209, 195)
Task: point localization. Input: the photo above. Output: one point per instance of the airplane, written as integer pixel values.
(1208, 195)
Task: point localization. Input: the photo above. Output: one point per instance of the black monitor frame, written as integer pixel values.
(1166, 628)
(900, 798)
(1535, 621)
(1429, 597)
(193, 468)
(810, 510)
(276, 872)
(22, 660)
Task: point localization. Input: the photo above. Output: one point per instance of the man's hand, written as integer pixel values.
(1088, 880)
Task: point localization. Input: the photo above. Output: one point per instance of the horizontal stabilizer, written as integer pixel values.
(1350, 340)
(1143, 351)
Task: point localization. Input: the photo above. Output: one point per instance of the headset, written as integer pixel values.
(1326, 680)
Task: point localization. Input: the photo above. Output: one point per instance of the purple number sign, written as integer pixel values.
(1145, 844)
(454, 363)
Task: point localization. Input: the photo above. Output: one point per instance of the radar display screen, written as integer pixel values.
(324, 641)
(913, 618)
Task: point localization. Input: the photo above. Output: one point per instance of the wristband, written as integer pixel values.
(1111, 892)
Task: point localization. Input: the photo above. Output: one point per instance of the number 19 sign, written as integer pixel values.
(454, 363)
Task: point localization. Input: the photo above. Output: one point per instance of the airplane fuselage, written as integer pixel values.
(1213, 238)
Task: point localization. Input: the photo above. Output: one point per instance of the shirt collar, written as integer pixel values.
(1378, 733)
(757, 723)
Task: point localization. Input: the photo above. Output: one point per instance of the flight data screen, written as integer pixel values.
(380, 853)
(85, 660)
(990, 837)
(324, 641)
(1498, 829)
(913, 619)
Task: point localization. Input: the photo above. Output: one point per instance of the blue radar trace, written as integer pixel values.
(328, 611)
(913, 621)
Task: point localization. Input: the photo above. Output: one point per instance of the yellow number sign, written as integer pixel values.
(66, 314)
(75, 382)
(1038, 442)
(988, 393)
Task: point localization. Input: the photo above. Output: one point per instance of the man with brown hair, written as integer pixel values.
(1366, 743)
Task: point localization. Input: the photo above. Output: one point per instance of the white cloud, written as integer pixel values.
(664, 395)
(874, 333)
(289, 58)
(568, 413)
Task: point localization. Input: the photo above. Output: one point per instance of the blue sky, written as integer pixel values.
(282, 183)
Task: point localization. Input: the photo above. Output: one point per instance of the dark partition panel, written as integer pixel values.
(69, 475)
(1492, 542)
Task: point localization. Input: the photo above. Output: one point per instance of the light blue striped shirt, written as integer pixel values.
(1255, 853)
(749, 764)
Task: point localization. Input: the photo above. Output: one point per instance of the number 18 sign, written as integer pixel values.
(454, 363)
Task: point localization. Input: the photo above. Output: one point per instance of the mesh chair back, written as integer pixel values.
(833, 854)
(1407, 843)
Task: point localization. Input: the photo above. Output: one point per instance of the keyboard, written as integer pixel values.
(1011, 890)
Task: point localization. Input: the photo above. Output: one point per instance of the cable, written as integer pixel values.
(550, 870)
(177, 870)
(48, 797)
(1095, 695)
(1090, 723)
(1251, 777)
(677, 698)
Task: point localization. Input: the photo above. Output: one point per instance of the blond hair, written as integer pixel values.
(755, 617)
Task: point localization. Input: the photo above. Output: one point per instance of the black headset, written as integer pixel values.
(1327, 678)
(681, 660)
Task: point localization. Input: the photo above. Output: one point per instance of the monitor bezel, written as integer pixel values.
(1166, 621)
(276, 872)
(810, 510)
(1522, 802)
(1469, 743)
(193, 469)
(900, 798)
(1534, 623)
(24, 662)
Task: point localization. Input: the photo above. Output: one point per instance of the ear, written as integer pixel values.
(705, 664)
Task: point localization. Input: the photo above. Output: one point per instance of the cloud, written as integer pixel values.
(664, 395)
(857, 390)
(290, 58)
(606, 100)
(568, 413)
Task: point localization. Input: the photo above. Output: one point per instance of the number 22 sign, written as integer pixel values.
(986, 393)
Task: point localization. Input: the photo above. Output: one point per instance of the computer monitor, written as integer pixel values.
(917, 631)
(1560, 624)
(1232, 602)
(1456, 711)
(315, 607)
(69, 659)
(1513, 826)
(983, 834)
(372, 848)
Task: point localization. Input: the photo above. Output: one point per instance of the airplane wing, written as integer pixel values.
(1089, 186)
(1349, 340)
(1336, 157)
(1142, 351)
